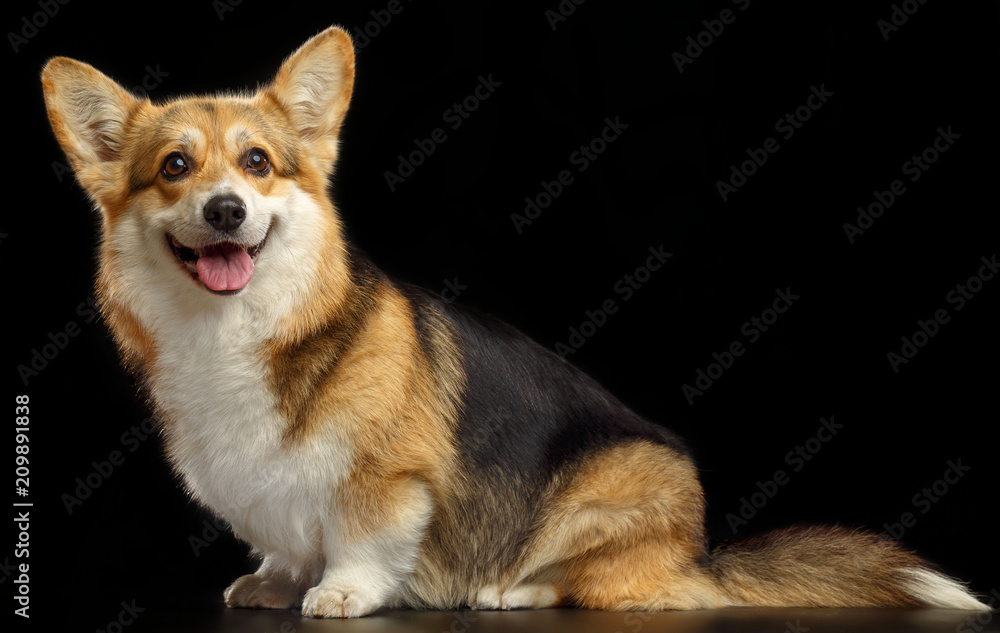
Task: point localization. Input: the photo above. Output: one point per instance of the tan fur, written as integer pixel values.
(626, 532)
(402, 426)
(809, 567)
(135, 343)
(379, 394)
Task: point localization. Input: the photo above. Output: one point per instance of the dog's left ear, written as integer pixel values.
(314, 87)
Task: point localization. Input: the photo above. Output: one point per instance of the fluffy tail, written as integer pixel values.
(831, 567)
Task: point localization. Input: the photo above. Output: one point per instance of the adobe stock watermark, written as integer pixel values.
(625, 288)
(580, 159)
(796, 459)
(6, 569)
(697, 44)
(795, 627)
(914, 167)
(564, 9)
(635, 621)
(251, 491)
(364, 34)
(786, 126)
(452, 290)
(454, 117)
(128, 614)
(900, 15)
(150, 81)
(461, 621)
(959, 296)
(30, 25)
(102, 470)
(978, 621)
(42, 355)
(924, 500)
(752, 330)
(222, 7)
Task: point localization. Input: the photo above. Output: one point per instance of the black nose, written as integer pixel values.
(225, 213)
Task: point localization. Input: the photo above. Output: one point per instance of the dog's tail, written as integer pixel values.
(831, 567)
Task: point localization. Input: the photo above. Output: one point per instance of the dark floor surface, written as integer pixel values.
(577, 621)
(223, 620)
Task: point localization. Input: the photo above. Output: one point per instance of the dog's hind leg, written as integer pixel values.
(625, 531)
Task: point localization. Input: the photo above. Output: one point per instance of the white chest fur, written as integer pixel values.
(226, 437)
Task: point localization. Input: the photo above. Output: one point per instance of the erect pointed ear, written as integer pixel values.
(314, 87)
(88, 112)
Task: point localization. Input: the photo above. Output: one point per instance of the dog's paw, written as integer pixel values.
(531, 596)
(338, 601)
(528, 596)
(487, 599)
(256, 592)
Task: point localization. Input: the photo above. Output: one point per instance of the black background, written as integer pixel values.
(655, 185)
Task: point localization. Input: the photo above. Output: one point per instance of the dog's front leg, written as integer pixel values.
(273, 586)
(370, 543)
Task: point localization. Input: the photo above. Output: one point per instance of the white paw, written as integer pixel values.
(527, 596)
(338, 601)
(536, 596)
(487, 599)
(256, 592)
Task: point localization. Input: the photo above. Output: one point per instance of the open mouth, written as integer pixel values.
(223, 267)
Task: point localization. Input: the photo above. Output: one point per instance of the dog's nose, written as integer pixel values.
(225, 213)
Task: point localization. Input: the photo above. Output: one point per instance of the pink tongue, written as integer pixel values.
(225, 267)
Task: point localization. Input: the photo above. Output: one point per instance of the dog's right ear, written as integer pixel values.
(88, 112)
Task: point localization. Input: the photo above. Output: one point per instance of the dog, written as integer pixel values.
(375, 445)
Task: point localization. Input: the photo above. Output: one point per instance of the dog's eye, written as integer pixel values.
(257, 161)
(174, 166)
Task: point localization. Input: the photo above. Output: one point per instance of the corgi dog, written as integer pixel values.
(373, 444)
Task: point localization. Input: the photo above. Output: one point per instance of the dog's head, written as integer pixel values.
(203, 189)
